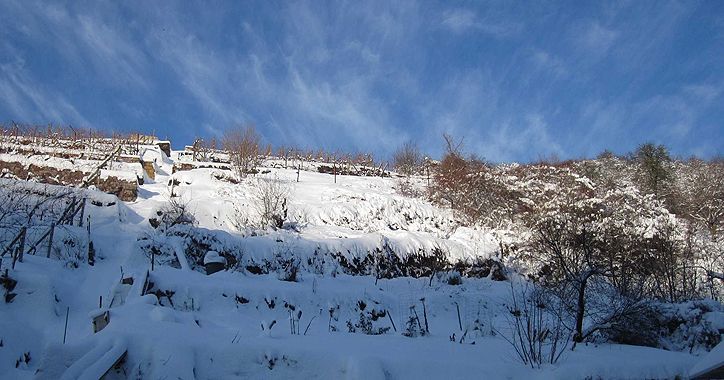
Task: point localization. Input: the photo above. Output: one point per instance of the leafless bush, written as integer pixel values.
(30, 204)
(702, 195)
(270, 196)
(408, 188)
(70, 246)
(176, 211)
(537, 332)
(242, 145)
(407, 159)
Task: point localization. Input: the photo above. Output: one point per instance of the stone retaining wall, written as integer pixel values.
(124, 189)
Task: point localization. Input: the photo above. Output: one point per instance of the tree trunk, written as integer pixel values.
(580, 311)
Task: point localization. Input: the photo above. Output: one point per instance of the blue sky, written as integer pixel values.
(518, 80)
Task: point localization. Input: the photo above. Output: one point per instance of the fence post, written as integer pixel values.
(82, 212)
(50, 240)
(18, 256)
(65, 331)
(91, 253)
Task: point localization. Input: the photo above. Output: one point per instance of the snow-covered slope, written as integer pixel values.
(176, 322)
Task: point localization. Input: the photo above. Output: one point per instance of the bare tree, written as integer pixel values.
(451, 176)
(654, 168)
(704, 195)
(453, 145)
(242, 145)
(407, 159)
(604, 271)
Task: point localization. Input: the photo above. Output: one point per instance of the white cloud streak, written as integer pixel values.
(25, 98)
(464, 20)
(363, 77)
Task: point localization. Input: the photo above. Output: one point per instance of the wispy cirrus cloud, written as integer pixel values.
(597, 38)
(112, 52)
(461, 20)
(283, 84)
(549, 62)
(660, 118)
(517, 81)
(24, 97)
(527, 140)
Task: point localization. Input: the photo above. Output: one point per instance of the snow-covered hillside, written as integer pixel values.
(307, 300)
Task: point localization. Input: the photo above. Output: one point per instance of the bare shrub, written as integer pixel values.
(70, 246)
(413, 326)
(27, 203)
(242, 145)
(703, 195)
(450, 181)
(407, 187)
(270, 197)
(175, 212)
(537, 332)
(365, 323)
(407, 159)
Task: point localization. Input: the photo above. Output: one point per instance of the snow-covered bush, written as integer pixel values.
(413, 326)
(453, 278)
(156, 247)
(367, 316)
(479, 267)
(194, 243)
(175, 212)
(267, 208)
(407, 187)
(287, 268)
(270, 201)
(70, 246)
(692, 326)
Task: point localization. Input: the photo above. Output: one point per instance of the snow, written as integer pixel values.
(197, 326)
(714, 359)
(96, 362)
(213, 257)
